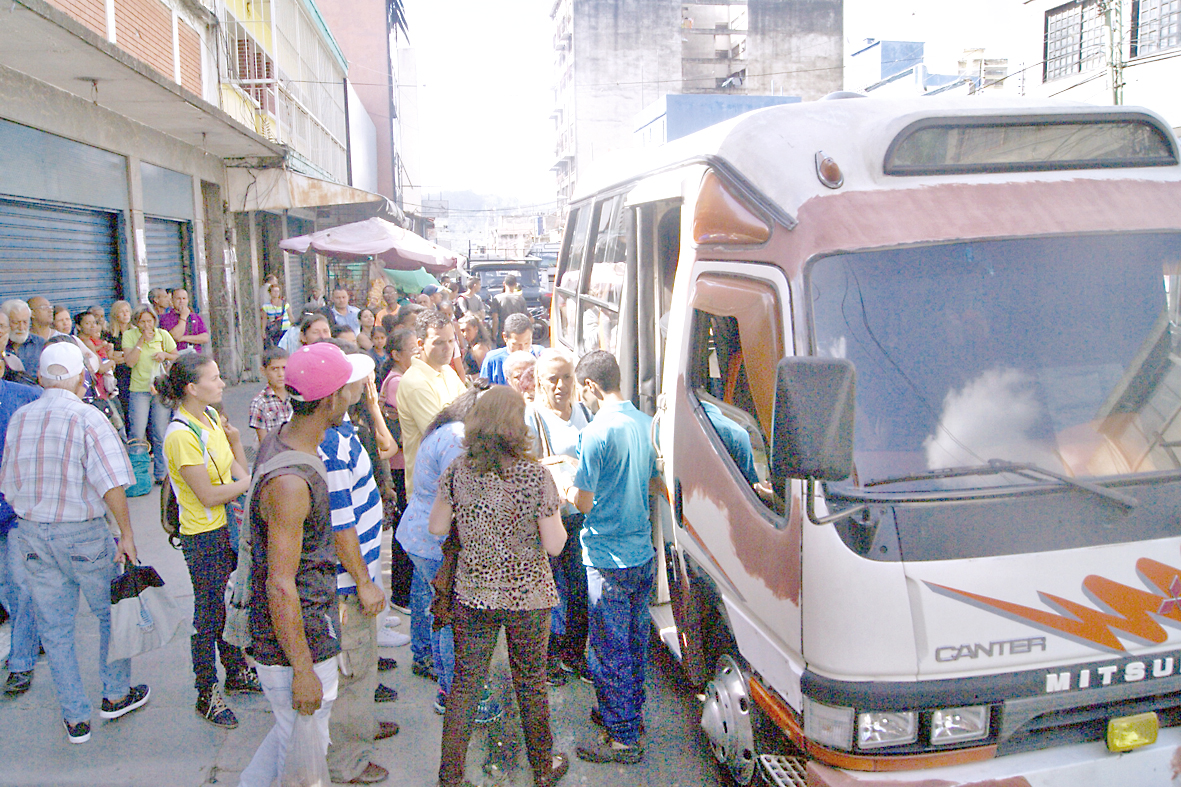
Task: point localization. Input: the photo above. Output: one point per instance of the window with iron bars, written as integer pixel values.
(1074, 39)
(1156, 26)
(251, 69)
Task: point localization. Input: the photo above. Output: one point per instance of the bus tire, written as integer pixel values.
(727, 724)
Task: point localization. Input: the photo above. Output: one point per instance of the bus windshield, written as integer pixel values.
(1055, 352)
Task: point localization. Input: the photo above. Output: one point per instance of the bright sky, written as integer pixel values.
(485, 76)
(946, 26)
(484, 99)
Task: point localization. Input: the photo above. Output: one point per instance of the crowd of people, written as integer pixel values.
(406, 417)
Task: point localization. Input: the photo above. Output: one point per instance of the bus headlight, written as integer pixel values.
(877, 729)
(956, 725)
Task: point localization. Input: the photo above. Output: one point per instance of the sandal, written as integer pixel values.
(558, 767)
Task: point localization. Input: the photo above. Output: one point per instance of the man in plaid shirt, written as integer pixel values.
(63, 468)
(270, 409)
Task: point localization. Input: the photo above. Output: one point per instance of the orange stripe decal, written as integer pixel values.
(1132, 609)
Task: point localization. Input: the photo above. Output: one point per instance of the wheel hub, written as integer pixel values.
(725, 719)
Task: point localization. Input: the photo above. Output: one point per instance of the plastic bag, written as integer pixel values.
(305, 765)
(143, 615)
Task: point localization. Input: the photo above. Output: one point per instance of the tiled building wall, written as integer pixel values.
(143, 28)
(92, 13)
(190, 58)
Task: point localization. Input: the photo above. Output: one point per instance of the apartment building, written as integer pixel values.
(1117, 52)
(613, 58)
(167, 143)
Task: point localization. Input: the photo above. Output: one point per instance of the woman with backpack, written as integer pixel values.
(207, 469)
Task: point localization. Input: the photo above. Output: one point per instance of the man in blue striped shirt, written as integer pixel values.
(356, 530)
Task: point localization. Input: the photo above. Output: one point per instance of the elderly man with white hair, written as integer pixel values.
(63, 468)
(555, 419)
(518, 373)
(26, 344)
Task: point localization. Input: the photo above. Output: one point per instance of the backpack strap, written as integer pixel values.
(201, 441)
(238, 591)
(279, 461)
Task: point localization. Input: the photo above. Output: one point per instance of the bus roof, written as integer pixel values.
(775, 148)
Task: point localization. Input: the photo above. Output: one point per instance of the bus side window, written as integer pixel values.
(569, 274)
(604, 282)
(736, 340)
(718, 379)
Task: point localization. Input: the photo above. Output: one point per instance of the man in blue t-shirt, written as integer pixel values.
(616, 463)
(14, 596)
(518, 336)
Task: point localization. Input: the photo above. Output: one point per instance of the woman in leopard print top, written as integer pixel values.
(505, 508)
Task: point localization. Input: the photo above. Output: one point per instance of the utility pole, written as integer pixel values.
(1113, 21)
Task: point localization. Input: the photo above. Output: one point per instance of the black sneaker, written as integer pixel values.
(18, 683)
(385, 665)
(244, 681)
(385, 694)
(77, 733)
(424, 669)
(136, 698)
(212, 707)
(603, 749)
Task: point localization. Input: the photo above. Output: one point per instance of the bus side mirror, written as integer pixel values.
(813, 435)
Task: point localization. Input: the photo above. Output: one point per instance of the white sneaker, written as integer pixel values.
(388, 638)
(392, 621)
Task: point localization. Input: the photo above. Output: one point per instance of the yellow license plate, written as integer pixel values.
(1125, 733)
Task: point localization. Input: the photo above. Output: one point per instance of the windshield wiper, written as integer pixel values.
(1025, 469)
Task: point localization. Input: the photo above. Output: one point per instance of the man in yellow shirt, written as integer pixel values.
(429, 385)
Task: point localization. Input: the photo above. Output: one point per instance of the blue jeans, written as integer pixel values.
(149, 419)
(442, 641)
(210, 560)
(22, 654)
(619, 624)
(56, 560)
(568, 624)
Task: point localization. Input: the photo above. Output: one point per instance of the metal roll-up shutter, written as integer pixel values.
(294, 288)
(68, 255)
(166, 252)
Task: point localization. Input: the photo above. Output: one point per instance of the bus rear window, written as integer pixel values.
(942, 146)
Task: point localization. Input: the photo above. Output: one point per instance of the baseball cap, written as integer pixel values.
(321, 369)
(62, 354)
(430, 289)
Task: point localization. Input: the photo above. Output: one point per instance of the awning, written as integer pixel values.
(279, 189)
(410, 281)
(397, 248)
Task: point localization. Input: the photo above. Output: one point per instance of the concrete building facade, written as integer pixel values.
(613, 58)
(168, 143)
(1123, 52)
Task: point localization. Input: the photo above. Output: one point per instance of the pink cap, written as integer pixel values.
(321, 369)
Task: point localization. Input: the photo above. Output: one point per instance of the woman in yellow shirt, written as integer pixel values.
(207, 469)
(145, 349)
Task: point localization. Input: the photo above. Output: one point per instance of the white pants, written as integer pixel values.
(267, 763)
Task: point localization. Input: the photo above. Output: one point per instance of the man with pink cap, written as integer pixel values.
(293, 618)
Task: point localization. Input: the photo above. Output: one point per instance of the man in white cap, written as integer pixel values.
(63, 468)
(294, 623)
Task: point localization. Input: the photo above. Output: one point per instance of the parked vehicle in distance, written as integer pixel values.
(951, 329)
(492, 273)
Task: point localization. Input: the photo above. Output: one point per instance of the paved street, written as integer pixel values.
(166, 743)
